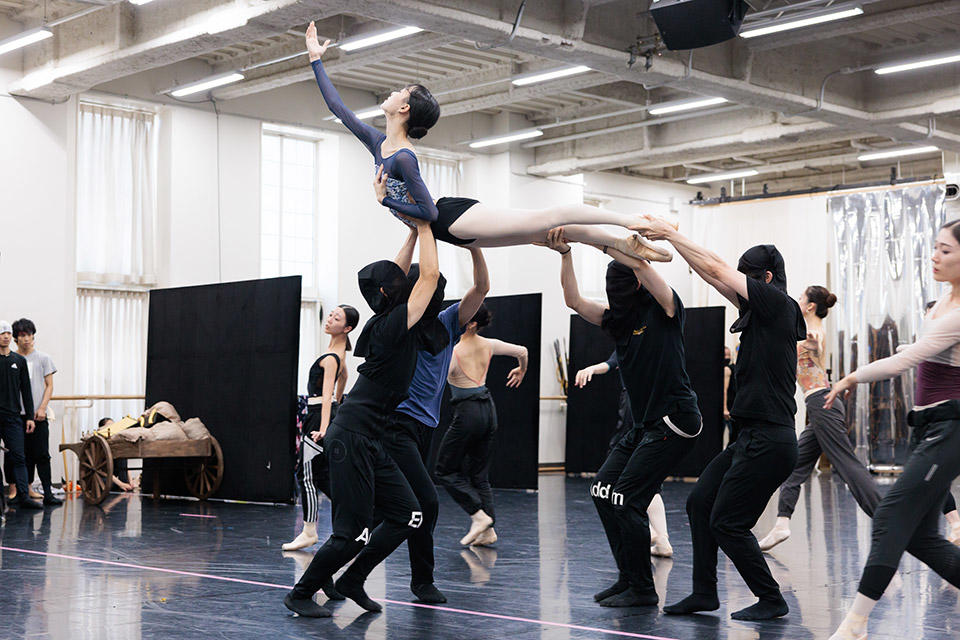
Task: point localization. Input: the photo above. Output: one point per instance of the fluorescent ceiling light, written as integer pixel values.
(553, 74)
(684, 105)
(918, 64)
(796, 23)
(719, 177)
(896, 153)
(23, 39)
(209, 83)
(361, 42)
(140, 2)
(510, 137)
(363, 114)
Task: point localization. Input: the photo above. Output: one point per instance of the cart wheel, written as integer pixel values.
(204, 477)
(96, 469)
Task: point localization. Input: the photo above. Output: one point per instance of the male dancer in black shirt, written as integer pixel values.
(363, 477)
(14, 389)
(733, 490)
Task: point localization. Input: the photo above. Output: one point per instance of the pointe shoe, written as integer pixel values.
(485, 539)
(480, 522)
(637, 247)
(653, 536)
(662, 549)
(34, 495)
(302, 541)
(775, 537)
(11, 492)
(844, 634)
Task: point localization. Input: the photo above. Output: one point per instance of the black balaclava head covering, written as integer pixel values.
(754, 263)
(383, 285)
(431, 333)
(626, 300)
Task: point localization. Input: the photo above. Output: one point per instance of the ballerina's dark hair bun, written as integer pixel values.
(821, 297)
(424, 111)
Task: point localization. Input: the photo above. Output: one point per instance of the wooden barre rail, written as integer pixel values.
(561, 398)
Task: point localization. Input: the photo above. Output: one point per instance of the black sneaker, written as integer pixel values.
(27, 503)
(51, 500)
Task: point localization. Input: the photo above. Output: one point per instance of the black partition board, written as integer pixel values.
(592, 411)
(515, 462)
(227, 354)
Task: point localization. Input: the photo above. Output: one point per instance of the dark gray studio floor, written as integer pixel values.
(537, 583)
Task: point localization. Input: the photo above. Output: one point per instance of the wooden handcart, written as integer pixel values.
(203, 464)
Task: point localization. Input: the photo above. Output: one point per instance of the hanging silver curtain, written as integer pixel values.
(882, 242)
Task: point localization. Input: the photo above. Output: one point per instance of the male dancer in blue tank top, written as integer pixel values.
(408, 434)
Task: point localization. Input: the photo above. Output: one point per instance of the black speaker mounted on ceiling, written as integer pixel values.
(691, 24)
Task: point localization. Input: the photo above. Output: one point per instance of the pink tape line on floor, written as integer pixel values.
(272, 585)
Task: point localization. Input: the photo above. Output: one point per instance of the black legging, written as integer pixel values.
(729, 498)
(907, 518)
(463, 460)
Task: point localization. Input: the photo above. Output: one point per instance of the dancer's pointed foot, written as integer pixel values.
(631, 598)
(765, 609)
(643, 224)
(661, 549)
(775, 537)
(428, 593)
(853, 627)
(306, 607)
(479, 522)
(302, 541)
(637, 247)
(354, 591)
(694, 603)
(619, 586)
(485, 539)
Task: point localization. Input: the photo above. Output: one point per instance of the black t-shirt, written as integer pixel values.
(315, 377)
(15, 386)
(653, 364)
(767, 363)
(384, 377)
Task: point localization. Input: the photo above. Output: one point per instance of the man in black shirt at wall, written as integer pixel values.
(734, 489)
(14, 389)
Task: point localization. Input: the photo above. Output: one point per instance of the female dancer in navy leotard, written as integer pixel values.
(410, 112)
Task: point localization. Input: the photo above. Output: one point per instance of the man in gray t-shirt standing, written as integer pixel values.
(37, 442)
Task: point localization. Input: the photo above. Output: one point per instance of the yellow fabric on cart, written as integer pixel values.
(124, 423)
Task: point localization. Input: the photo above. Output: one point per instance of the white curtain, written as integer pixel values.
(442, 177)
(116, 195)
(111, 352)
(310, 341)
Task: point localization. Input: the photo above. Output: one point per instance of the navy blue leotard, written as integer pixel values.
(403, 182)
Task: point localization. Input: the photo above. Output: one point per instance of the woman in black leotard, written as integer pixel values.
(325, 385)
(410, 112)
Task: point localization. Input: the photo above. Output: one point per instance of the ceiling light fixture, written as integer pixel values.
(373, 39)
(917, 64)
(683, 105)
(896, 153)
(787, 24)
(720, 177)
(510, 137)
(204, 85)
(553, 74)
(23, 39)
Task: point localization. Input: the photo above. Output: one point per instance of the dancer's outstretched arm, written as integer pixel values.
(429, 275)
(649, 278)
(501, 348)
(586, 375)
(589, 310)
(369, 136)
(405, 258)
(708, 265)
(474, 297)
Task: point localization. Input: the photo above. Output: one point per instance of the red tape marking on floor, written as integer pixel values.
(272, 585)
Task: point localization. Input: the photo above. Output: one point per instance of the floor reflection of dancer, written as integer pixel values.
(736, 485)
(409, 432)
(659, 537)
(645, 317)
(907, 518)
(363, 477)
(325, 385)
(463, 460)
(410, 112)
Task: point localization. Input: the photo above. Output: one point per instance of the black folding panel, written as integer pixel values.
(515, 462)
(592, 411)
(227, 354)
